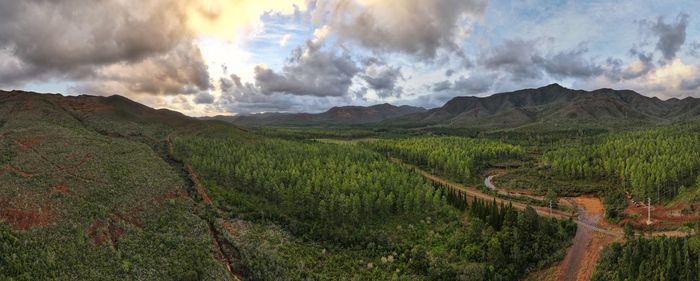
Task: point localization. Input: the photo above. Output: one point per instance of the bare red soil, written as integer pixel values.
(61, 188)
(583, 255)
(97, 232)
(662, 217)
(200, 188)
(83, 105)
(28, 105)
(22, 215)
(159, 199)
(108, 230)
(27, 142)
(12, 168)
(130, 219)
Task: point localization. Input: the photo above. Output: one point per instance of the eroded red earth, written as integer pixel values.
(25, 143)
(85, 105)
(26, 211)
(662, 217)
(61, 188)
(12, 168)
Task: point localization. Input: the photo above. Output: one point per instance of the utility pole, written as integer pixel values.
(649, 210)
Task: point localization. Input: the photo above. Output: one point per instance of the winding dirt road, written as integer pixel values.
(590, 238)
(592, 233)
(474, 193)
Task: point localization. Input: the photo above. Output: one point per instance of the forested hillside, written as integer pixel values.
(86, 195)
(371, 217)
(456, 157)
(655, 163)
(554, 107)
(336, 116)
(107, 189)
(662, 259)
(316, 184)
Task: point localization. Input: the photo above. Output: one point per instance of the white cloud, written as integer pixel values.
(285, 39)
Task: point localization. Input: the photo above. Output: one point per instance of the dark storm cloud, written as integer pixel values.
(180, 71)
(442, 86)
(690, 85)
(68, 34)
(645, 59)
(310, 71)
(643, 64)
(14, 70)
(524, 60)
(516, 57)
(246, 98)
(449, 72)
(694, 49)
(102, 46)
(313, 71)
(570, 63)
(382, 78)
(475, 84)
(204, 98)
(418, 27)
(671, 35)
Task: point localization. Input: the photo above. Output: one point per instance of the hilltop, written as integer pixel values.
(554, 105)
(89, 191)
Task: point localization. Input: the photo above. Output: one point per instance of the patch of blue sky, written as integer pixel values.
(53, 86)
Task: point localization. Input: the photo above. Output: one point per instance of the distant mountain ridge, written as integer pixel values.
(553, 104)
(339, 115)
(115, 115)
(549, 106)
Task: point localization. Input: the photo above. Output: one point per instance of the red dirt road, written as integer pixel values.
(582, 256)
(592, 233)
(474, 193)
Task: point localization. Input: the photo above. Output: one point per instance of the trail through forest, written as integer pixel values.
(474, 193)
(213, 232)
(592, 234)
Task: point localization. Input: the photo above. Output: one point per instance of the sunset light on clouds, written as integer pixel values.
(237, 57)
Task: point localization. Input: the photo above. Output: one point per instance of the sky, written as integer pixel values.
(229, 57)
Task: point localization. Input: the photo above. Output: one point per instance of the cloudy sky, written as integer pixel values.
(245, 56)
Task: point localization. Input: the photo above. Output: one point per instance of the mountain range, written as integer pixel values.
(552, 105)
(342, 115)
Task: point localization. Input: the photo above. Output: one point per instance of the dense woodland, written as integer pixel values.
(655, 163)
(514, 241)
(106, 195)
(458, 158)
(360, 206)
(663, 259)
(315, 183)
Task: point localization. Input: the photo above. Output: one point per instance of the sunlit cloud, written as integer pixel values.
(298, 55)
(232, 19)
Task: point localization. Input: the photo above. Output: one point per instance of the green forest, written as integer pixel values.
(311, 182)
(358, 205)
(456, 157)
(108, 196)
(657, 163)
(663, 259)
